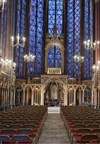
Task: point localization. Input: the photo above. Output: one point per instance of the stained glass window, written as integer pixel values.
(20, 29)
(51, 16)
(55, 16)
(88, 35)
(36, 36)
(55, 19)
(73, 37)
(4, 29)
(59, 17)
(54, 58)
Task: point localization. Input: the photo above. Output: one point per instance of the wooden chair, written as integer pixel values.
(89, 138)
(21, 139)
(5, 139)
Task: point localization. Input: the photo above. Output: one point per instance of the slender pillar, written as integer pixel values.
(32, 98)
(65, 97)
(14, 98)
(92, 97)
(42, 97)
(95, 96)
(23, 97)
(83, 97)
(27, 96)
(80, 97)
(2, 97)
(74, 97)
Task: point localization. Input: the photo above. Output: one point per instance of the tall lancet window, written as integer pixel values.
(55, 17)
(36, 36)
(20, 29)
(4, 29)
(73, 37)
(55, 21)
(54, 57)
(88, 35)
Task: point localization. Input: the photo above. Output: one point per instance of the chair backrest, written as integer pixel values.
(25, 131)
(29, 126)
(87, 138)
(8, 131)
(79, 126)
(83, 130)
(92, 126)
(15, 126)
(4, 126)
(8, 122)
(20, 122)
(21, 139)
(5, 138)
(97, 131)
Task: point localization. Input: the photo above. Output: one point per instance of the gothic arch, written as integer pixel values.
(59, 44)
(54, 80)
(51, 80)
(28, 86)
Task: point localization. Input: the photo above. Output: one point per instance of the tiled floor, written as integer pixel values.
(54, 131)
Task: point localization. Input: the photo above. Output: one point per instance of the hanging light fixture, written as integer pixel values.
(29, 58)
(2, 3)
(78, 58)
(90, 45)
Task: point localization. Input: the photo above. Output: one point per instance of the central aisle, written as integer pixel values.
(54, 131)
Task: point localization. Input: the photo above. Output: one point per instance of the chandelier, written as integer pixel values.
(78, 58)
(2, 2)
(6, 66)
(90, 45)
(29, 58)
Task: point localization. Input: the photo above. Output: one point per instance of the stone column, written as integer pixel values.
(65, 97)
(74, 96)
(37, 97)
(27, 96)
(2, 96)
(32, 98)
(42, 97)
(23, 97)
(14, 97)
(80, 97)
(83, 96)
(95, 96)
(92, 97)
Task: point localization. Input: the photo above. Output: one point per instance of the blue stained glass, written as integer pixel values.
(54, 58)
(70, 33)
(55, 16)
(73, 37)
(51, 16)
(59, 17)
(4, 29)
(36, 36)
(88, 34)
(77, 37)
(32, 37)
(20, 29)
(39, 37)
(17, 32)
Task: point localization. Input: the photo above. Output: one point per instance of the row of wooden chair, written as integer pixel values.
(22, 124)
(82, 124)
(16, 139)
